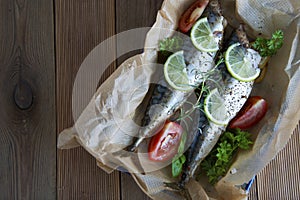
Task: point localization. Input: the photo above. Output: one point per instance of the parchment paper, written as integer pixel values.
(104, 136)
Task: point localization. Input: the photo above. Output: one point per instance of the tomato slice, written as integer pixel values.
(164, 145)
(251, 113)
(190, 16)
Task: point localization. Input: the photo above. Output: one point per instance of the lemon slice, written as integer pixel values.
(202, 37)
(242, 63)
(214, 108)
(175, 72)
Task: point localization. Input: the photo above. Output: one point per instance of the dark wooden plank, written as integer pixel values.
(77, 34)
(134, 14)
(80, 26)
(27, 100)
(280, 178)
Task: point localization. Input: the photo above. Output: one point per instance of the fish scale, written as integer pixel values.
(189, 154)
(158, 97)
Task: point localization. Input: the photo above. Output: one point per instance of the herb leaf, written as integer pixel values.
(269, 47)
(243, 140)
(170, 45)
(177, 165)
(217, 163)
(179, 159)
(224, 151)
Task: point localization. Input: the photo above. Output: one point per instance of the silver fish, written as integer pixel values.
(165, 100)
(235, 93)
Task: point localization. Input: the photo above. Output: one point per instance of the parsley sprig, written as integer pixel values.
(170, 45)
(217, 163)
(269, 47)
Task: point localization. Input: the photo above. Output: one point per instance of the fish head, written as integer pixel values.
(216, 21)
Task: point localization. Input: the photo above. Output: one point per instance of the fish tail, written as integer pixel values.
(135, 144)
(177, 188)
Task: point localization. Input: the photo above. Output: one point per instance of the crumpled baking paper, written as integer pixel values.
(102, 128)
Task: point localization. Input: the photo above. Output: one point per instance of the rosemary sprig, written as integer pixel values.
(203, 90)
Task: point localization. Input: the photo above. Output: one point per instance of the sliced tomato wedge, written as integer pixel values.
(190, 16)
(252, 112)
(164, 145)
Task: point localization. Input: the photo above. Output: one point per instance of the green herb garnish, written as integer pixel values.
(177, 165)
(217, 163)
(170, 45)
(269, 47)
(179, 159)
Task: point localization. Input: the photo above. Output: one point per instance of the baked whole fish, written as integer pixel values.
(235, 93)
(165, 101)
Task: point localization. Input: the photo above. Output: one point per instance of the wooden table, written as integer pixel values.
(43, 43)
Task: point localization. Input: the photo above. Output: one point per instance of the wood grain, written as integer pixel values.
(35, 105)
(253, 191)
(280, 179)
(129, 15)
(80, 27)
(135, 14)
(27, 100)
